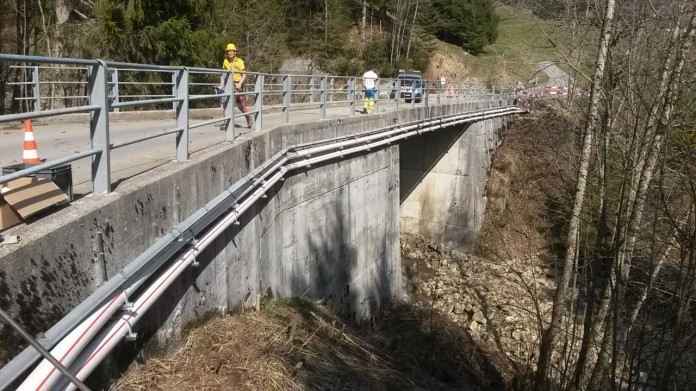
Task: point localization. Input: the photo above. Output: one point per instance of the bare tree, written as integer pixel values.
(550, 334)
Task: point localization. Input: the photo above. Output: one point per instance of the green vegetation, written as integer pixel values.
(523, 41)
(339, 36)
(469, 24)
(479, 39)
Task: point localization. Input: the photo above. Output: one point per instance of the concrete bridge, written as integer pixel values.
(312, 208)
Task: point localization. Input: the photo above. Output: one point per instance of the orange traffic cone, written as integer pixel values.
(31, 153)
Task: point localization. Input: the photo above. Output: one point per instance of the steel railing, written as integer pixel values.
(109, 86)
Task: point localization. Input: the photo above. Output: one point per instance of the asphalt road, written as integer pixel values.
(56, 140)
(557, 77)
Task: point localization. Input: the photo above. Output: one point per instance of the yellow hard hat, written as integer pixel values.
(230, 46)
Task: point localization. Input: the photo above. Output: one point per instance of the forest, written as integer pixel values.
(338, 36)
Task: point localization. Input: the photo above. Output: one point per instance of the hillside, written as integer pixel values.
(335, 36)
(514, 56)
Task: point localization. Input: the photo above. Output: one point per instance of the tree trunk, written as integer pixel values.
(413, 28)
(550, 334)
(363, 21)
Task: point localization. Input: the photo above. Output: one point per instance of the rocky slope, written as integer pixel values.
(503, 292)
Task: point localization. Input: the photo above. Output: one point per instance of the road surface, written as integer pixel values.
(557, 77)
(56, 140)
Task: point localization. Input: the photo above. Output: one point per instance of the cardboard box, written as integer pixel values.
(26, 197)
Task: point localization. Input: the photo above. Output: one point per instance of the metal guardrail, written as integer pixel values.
(111, 86)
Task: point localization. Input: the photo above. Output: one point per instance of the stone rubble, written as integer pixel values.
(493, 299)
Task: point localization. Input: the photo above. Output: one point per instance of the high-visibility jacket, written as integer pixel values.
(235, 65)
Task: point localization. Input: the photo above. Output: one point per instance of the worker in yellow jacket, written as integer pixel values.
(235, 64)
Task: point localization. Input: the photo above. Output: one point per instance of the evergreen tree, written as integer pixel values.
(168, 32)
(471, 24)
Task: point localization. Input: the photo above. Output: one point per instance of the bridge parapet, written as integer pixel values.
(52, 87)
(330, 230)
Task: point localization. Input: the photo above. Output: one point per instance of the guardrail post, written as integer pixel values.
(258, 106)
(228, 107)
(36, 87)
(114, 89)
(311, 90)
(181, 78)
(287, 97)
(332, 88)
(352, 86)
(377, 96)
(438, 89)
(397, 90)
(174, 89)
(413, 94)
(322, 98)
(98, 85)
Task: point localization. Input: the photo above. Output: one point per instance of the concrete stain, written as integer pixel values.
(4, 291)
(141, 207)
(108, 229)
(248, 154)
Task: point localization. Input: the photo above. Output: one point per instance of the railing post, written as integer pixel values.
(228, 107)
(352, 94)
(99, 127)
(426, 98)
(36, 87)
(182, 112)
(413, 95)
(114, 89)
(332, 88)
(322, 98)
(397, 90)
(439, 91)
(287, 97)
(174, 77)
(311, 90)
(377, 96)
(258, 105)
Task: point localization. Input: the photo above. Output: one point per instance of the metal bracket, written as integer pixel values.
(127, 305)
(195, 263)
(131, 336)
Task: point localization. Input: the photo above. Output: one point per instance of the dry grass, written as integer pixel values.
(300, 345)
